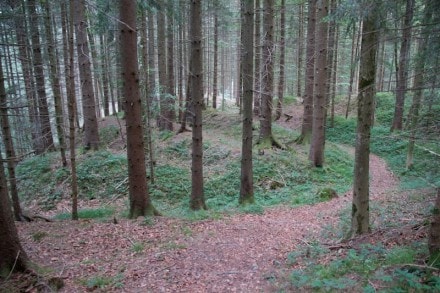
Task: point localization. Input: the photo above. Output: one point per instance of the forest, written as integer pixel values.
(219, 146)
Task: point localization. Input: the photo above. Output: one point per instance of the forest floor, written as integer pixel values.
(238, 253)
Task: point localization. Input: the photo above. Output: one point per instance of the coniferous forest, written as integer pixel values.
(219, 146)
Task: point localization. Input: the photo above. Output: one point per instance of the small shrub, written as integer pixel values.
(38, 236)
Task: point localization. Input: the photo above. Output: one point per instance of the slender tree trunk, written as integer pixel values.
(12, 255)
(320, 89)
(69, 62)
(170, 101)
(300, 68)
(215, 73)
(418, 85)
(267, 78)
(104, 75)
(9, 148)
(360, 218)
(55, 81)
(140, 203)
(197, 196)
(43, 108)
(354, 63)
(334, 78)
(247, 57)
(162, 67)
(306, 128)
(91, 135)
(28, 77)
(402, 73)
(95, 76)
(282, 46)
(257, 57)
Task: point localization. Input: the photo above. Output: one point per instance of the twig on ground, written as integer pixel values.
(13, 267)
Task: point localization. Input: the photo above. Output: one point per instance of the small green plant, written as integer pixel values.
(98, 213)
(104, 282)
(137, 247)
(38, 236)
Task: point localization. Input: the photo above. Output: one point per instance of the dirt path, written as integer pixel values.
(235, 254)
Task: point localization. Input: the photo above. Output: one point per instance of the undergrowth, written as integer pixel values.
(280, 176)
(368, 268)
(393, 146)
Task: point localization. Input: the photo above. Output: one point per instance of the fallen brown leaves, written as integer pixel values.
(241, 253)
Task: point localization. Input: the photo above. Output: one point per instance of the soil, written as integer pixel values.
(240, 253)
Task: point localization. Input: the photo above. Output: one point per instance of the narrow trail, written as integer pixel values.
(240, 253)
(235, 254)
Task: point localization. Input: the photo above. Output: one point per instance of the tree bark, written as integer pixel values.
(43, 108)
(55, 81)
(306, 127)
(215, 73)
(282, 46)
(91, 135)
(266, 137)
(9, 148)
(12, 255)
(247, 58)
(69, 62)
(320, 89)
(257, 57)
(140, 203)
(197, 196)
(300, 69)
(402, 72)
(360, 217)
(419, 76)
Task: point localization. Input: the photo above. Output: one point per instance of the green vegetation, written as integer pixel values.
(100, 213)
(104, 282)
(393, 146)
(363, 269)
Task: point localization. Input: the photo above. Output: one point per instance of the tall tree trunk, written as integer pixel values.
(334, 78)
(95, 75)
(356, 43)
(402, 73)
(257, 57)
(9, 148)
(140, 203)
(215, 73)
(282, 46)
(170, 99)
(266, 137)
(331, 45)
(28, 76)
(197, 196)
(360, 218)
(320, 89)
(12, 255)
(247, 58)
(55, 81)
(147, 93)
(307, 122)
(69, 62)
(419, 76)
(162, 68)
(300, 68)
(43, 108)
(104, 75)
(91, 135)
